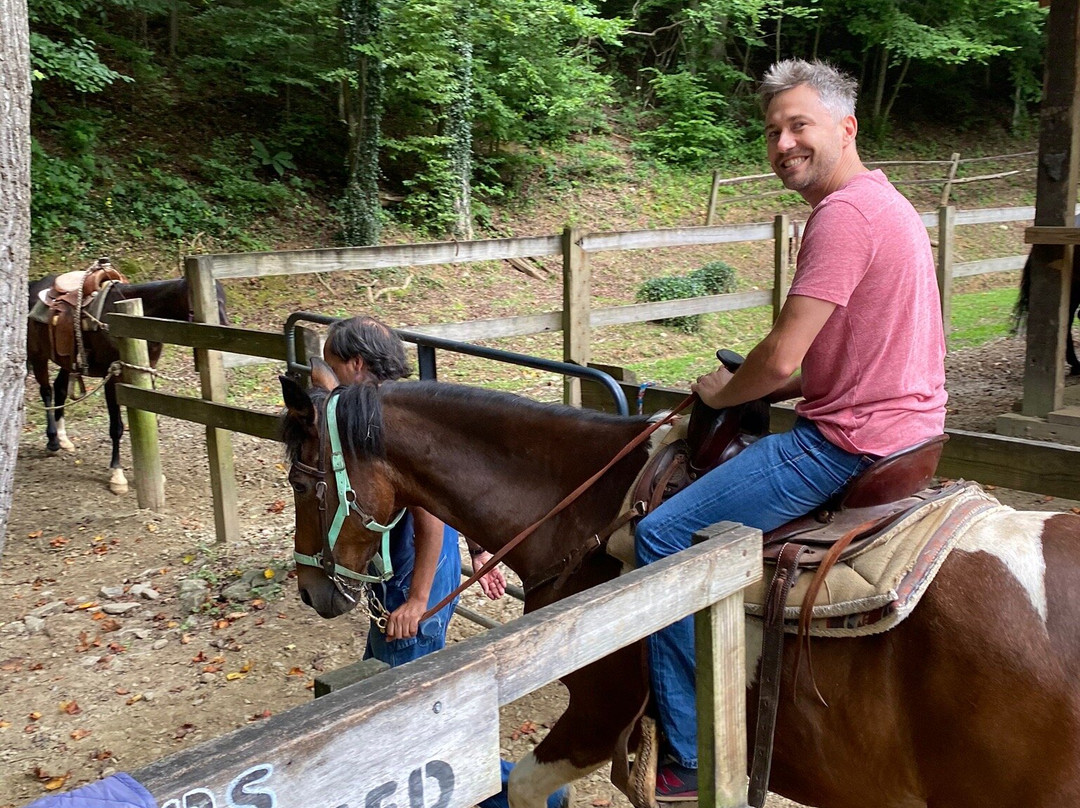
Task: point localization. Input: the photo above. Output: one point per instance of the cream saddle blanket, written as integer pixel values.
(877, 587)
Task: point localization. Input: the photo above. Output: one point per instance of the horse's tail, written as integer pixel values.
(1020, 310)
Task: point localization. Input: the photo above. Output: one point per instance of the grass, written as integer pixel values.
(978, 317)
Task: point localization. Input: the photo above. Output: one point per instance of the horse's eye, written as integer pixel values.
(299, 486)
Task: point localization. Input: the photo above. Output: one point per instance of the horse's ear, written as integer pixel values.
(322, 375)
(297, 401)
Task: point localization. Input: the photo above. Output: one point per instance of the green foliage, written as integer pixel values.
(75, 62)
(673, 287)
(716, 278)
(692, 130)
(279, 161)
(60, 200)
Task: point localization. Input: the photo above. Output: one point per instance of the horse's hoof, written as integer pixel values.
(118, 483)
(67, 445)
(52, 450)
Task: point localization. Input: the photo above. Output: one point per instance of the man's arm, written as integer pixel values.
(404, 621)
(770, 367)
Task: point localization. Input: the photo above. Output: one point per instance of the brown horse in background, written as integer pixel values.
(971, 702)
(168, 299)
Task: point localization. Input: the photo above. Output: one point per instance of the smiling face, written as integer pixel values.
(809, 150)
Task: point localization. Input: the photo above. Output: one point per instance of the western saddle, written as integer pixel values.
(75, 297)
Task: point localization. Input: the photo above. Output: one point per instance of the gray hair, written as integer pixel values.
(836, 89)
(374, 342)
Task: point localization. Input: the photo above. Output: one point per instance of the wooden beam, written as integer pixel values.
(267, 344)
(577, 300)
(1055, 203)
(1027, 465)
(1059, 236)
(201, 411)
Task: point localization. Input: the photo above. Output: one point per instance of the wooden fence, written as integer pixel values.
(946, 181)
(428, 733)
(576, 320)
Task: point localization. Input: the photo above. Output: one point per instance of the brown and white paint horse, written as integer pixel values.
(972, 702)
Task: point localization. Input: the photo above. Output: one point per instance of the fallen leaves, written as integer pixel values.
(277, 506)
(527, 728)
(79, 734)
(70, 707)
(51, 782)
(183, 731)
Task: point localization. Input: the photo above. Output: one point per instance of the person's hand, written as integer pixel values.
(709, 386)
(404, 621)
(493, 583)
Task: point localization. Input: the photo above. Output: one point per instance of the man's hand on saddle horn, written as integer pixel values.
(708, 387)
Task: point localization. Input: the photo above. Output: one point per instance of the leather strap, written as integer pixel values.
(772, 648)
(565, 503)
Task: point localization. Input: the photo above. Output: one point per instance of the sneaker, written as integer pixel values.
(675, 783)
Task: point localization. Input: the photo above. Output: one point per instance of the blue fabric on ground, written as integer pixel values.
(117, 791)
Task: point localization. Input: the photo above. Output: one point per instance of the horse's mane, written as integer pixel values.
(360, 423)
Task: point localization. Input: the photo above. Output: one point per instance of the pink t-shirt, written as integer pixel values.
(874, 377)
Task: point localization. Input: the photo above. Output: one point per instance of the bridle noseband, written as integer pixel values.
(324, 559)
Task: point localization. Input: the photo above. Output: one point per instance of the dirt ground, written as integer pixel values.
(127, 635)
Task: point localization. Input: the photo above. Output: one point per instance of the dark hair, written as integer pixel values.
(377, 344)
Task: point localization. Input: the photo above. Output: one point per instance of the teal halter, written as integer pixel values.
(324, 559)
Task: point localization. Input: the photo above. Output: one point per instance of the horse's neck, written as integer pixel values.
(491, 477)
(164, 299)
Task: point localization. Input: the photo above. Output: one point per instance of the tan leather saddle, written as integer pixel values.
(73, 298)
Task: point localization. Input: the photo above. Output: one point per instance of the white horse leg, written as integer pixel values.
(62, 436)
(531, 782)
(118, 483)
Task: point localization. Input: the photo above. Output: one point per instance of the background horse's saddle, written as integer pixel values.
(74, 296)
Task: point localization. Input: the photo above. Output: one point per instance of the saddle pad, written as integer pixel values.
(876, 589)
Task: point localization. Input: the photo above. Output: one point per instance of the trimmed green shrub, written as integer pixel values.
(673, 287)
(715, 278)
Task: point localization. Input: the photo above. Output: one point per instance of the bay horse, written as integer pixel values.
(973, 701)
(1020, 312)
(167, 299)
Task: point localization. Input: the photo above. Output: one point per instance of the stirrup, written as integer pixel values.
(641, 789)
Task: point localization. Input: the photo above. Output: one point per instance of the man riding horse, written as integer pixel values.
(863, 322)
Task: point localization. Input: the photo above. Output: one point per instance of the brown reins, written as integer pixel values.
(566, 502)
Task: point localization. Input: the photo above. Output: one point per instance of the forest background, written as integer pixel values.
(228, 120)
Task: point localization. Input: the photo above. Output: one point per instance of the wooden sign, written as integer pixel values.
(433, 745)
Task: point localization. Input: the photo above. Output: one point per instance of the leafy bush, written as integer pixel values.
(716, 278)
(673, 287)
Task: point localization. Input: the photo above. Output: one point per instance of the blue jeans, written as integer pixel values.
(773, 481)
(431, 635)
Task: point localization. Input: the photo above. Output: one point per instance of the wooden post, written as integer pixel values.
(1055, 198)
(710, 214)
(781, 262)
(946, 238)
(946, 189)
(142, 425)
(720, 649)
(306, 346)
(219, 449)
(577, 285)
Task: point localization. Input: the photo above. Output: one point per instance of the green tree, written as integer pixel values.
(361, 21)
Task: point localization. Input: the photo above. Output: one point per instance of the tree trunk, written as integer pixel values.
(459, 124)
(14, 237)
(363, 114)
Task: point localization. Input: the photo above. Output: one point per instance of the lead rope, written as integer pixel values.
(566, 501)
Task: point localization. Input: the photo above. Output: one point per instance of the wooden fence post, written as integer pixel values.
(946, 189)
(142, 425)
(219, 448)
(577, 286)
(710, 214)
(720, 642)
(781, 262)
(307, 346)
(946, 237)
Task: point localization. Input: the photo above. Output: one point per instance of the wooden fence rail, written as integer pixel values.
(576, 320)
(433, 726)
